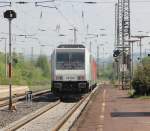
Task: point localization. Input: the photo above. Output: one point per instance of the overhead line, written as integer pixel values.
(58, 10)
(66, 19)
(4, 2)
(45, 1)
(100, 2)
(47, 6)
(66, 1)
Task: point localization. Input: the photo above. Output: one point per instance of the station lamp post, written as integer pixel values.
(10, 15)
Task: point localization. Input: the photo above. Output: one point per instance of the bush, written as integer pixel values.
(107, 73)
(26, 72)
(141, 81)
(43, 63)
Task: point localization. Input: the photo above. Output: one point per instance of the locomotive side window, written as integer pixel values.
(70, 60)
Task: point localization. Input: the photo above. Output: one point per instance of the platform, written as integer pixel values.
(16, 91)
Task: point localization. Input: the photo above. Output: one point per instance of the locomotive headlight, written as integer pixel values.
(58, 78)
(81, 78)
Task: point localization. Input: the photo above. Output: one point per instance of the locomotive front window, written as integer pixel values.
(62, 57)
(70, 60)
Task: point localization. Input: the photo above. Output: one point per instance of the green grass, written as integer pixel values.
(39, 88)
(131, 94)
(144, 97)
(140, 97)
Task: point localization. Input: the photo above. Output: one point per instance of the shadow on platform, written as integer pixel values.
(130, 114)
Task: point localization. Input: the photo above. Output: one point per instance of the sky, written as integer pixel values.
(43, 25)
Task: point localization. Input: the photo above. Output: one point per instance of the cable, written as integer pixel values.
(86, 2)
(6, 3)
(45, 1)
(65, 18)
(57, 9)
(100, 2)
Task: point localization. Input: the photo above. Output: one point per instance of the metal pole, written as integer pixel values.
(75, 35)
(90, 47)
(140, 49)
(130, 72)
(32, 49)
(103, 58)
(132, 59)
(117, 71)
(145, 52)
(116, 9)
(10, 67)
(98, 61)
(123, 60)
(117, 34)
(40, 50)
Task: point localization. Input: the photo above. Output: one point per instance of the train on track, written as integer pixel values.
(73, 69)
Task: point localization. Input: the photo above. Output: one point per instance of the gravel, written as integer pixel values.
(23, 109)
(49, 119)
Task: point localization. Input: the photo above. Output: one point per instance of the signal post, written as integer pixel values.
(10, 15)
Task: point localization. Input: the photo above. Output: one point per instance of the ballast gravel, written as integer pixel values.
(49, 119)
(23, 108)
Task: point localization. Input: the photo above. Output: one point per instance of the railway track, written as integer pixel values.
(70, 117)
(4, 103)
(53, 117)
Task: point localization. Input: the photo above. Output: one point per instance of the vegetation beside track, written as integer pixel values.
(141, 80)
(40, 87)
(106, 73)
(27, 71)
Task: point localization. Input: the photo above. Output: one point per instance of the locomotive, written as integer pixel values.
(73, 69)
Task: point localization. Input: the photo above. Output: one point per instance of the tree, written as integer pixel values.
(141, 80)
(43, 63)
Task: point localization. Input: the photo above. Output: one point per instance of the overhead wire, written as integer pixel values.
(5, 3)
(57, 9)
(99, 2)
(81, 17)
(65, 18)
(75, 11)
(45, 6)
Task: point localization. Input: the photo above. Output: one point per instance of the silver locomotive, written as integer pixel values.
(73, 69)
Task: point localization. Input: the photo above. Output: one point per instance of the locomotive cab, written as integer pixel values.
(70, 69)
